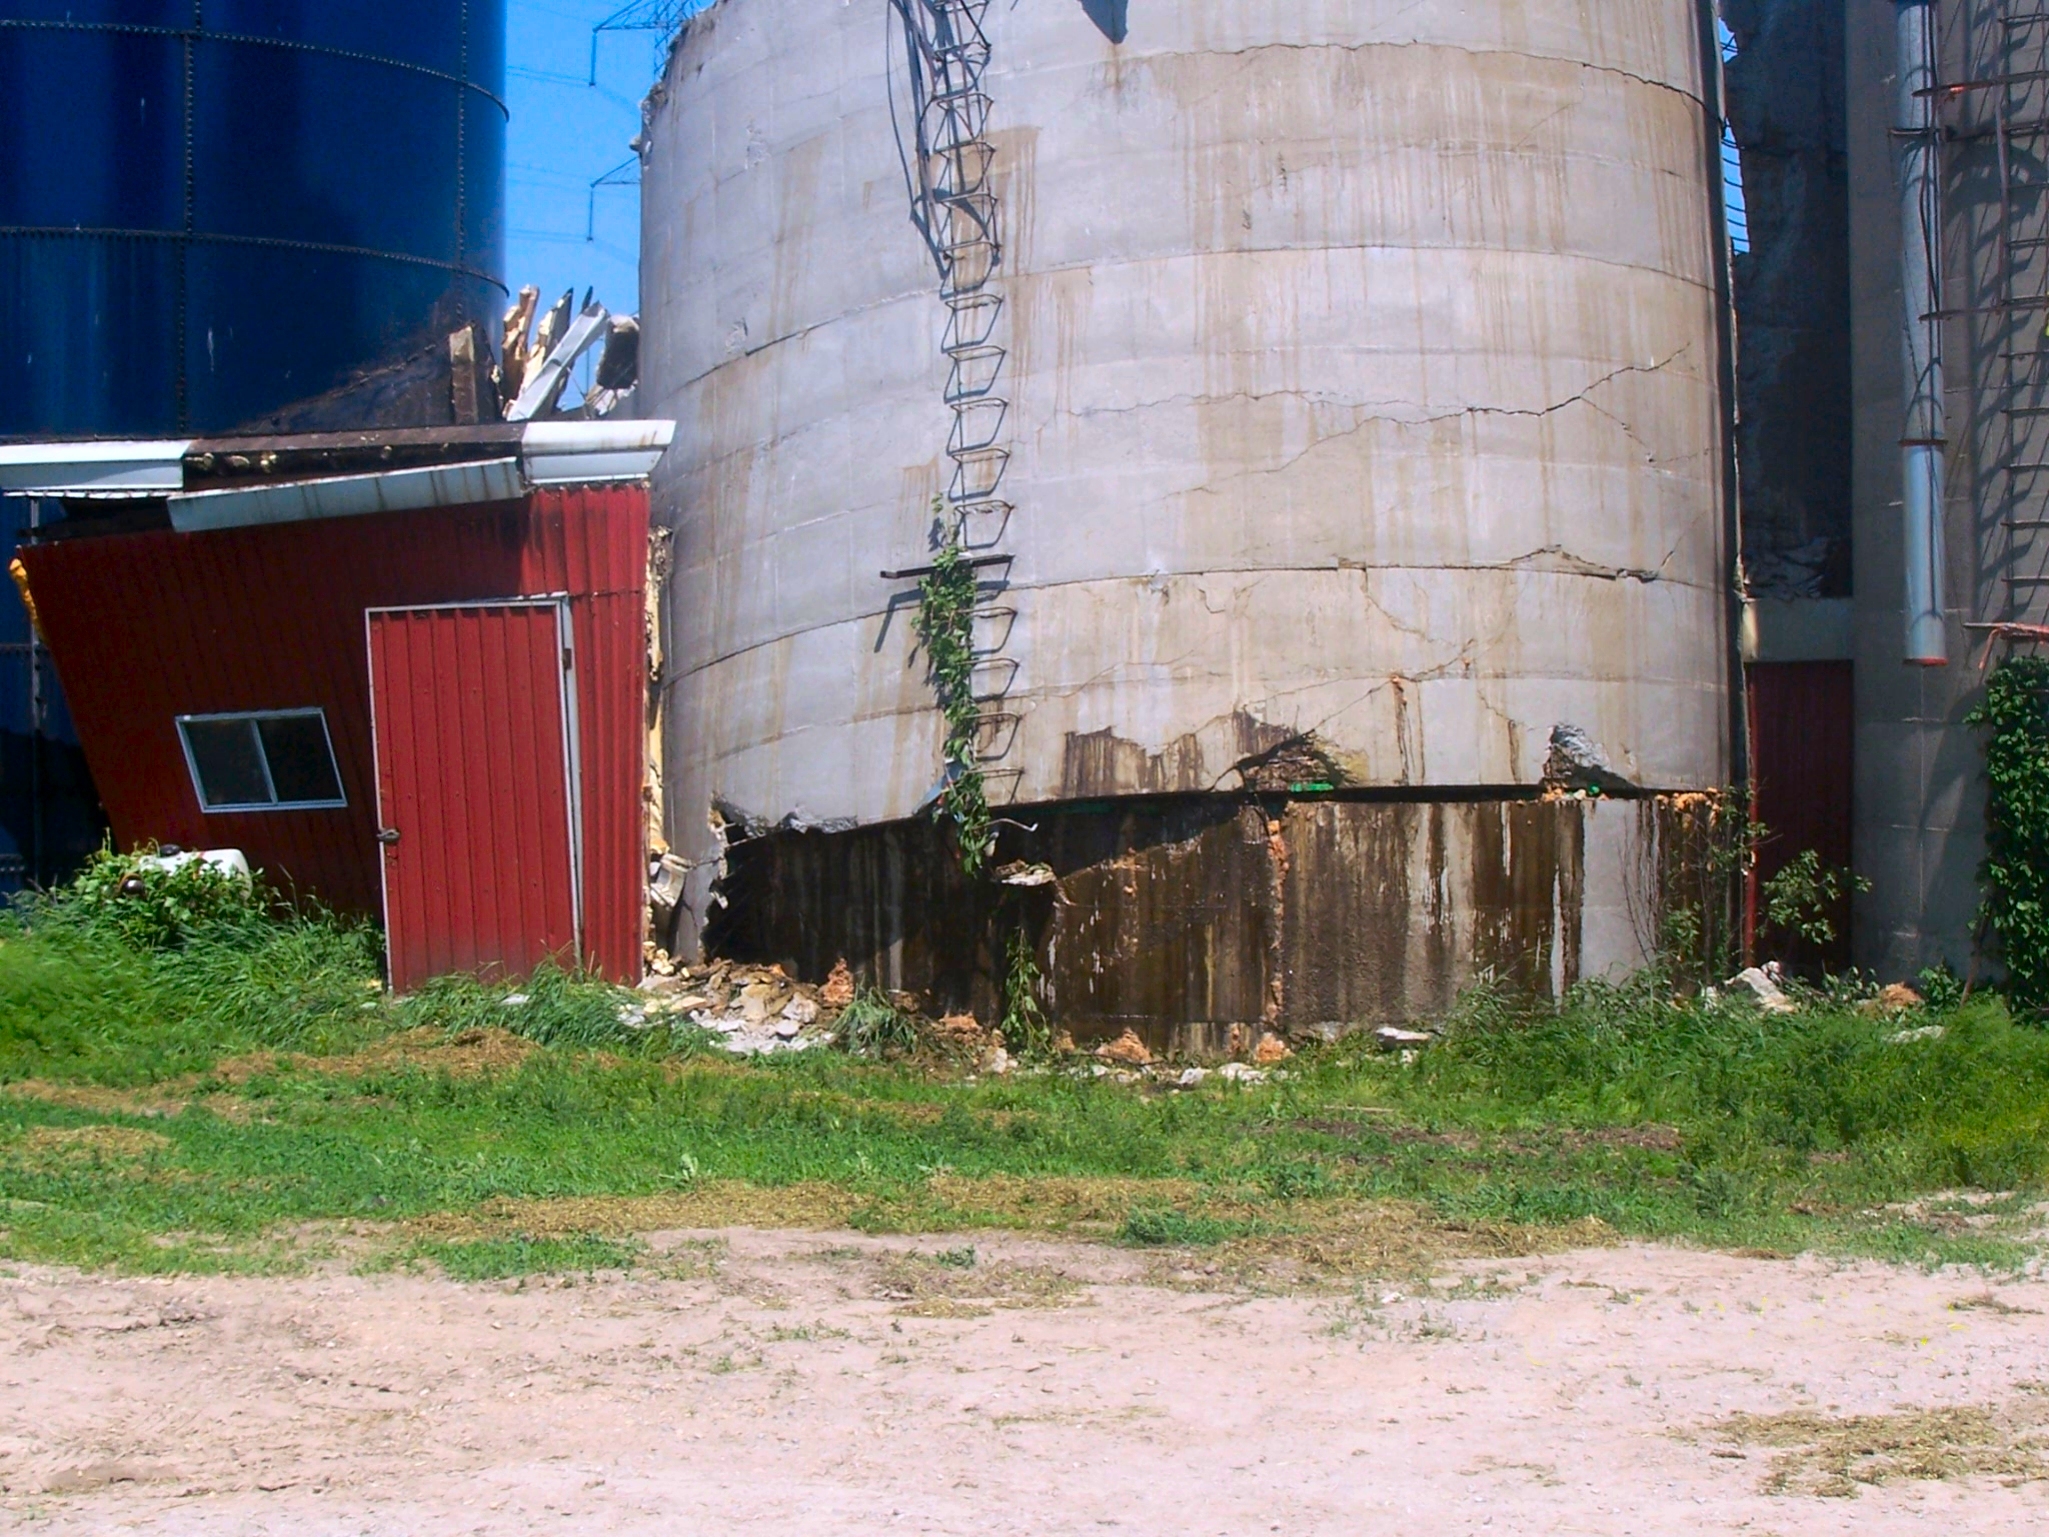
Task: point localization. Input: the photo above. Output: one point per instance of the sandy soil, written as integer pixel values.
(808, 1383)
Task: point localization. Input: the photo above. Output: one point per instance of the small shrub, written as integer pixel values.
(147, 907)
(1942, 990)
(1803, 900)
(1025, 1026)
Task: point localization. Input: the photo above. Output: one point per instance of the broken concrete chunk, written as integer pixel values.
(1238, 1072)
(838, 991)
(800, 1010)
(1893, 998)
(1392, 1038)
(1921, 1033)
(1127, 1049)
(1763, 989)
(1191, 1076)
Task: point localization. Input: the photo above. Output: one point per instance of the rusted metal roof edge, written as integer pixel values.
(348, 496)
(500, 464)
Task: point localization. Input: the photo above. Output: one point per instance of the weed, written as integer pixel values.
(1025, 1025)
(497, 1259)
(149, 902)
(1173, 1229)
(1290, 1181)
(871, 1026)
(1941, 988)
(1803, 899)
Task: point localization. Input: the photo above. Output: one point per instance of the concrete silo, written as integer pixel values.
(1334, 393)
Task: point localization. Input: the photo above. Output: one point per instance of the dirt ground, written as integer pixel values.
(805, 1383)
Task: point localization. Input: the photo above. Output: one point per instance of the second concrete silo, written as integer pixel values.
(1341, 422)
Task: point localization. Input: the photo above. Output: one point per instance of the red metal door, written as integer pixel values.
(472, 708)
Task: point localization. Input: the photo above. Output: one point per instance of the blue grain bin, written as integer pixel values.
(212, 208)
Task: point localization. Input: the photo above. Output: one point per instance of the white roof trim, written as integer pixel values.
(556, 453)
(572, 453)
(136, 467)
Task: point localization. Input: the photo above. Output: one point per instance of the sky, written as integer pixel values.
(567, 134)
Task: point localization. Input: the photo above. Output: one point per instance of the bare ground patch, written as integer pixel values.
(826, 1384)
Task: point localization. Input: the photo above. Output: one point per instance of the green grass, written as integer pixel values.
(498, 1259)
(246, 1099)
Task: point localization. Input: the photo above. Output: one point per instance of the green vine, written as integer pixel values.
(945, 627)
(2016, 869)
(945, 624)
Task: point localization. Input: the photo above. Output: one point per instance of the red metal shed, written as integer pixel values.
(434, 715)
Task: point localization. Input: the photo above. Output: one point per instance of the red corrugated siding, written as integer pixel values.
(146, 627)
(1803, 764)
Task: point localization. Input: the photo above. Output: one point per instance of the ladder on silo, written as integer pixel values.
(954, 207)
(2002, 102)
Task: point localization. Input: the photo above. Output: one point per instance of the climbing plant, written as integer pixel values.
(945, 625)
(2016, 870)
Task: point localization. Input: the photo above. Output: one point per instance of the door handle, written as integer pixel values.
(387, 835)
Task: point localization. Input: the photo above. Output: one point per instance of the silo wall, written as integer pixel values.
(1365, 384)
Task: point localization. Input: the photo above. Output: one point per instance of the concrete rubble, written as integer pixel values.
(1761, 985)
(756, 1010)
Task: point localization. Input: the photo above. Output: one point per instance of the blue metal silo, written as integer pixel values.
(211, 208)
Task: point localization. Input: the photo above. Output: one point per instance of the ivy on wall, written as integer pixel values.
(945, 624)
(2016, 871)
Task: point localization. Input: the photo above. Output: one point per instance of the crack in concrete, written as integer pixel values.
(1436, 45)
(1580, 397)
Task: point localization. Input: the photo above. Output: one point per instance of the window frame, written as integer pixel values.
(315, 712)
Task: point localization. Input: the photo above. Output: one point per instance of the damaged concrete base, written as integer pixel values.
(1198, 921)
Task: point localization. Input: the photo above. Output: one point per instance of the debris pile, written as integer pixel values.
(761, 1010)
(536, 362)
(755, 1010)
